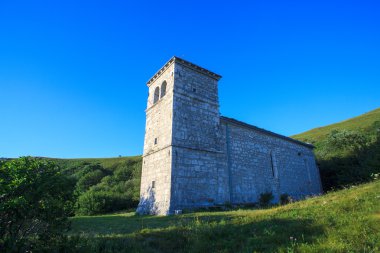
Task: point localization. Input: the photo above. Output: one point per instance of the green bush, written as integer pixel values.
(117, 191)
(345, 140)
(285, 199)
(90, 179)
(347, 164)
(35, 202)
(266, 198)
(98, 202)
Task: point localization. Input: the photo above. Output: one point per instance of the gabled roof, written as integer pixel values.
(261, 130)
(188, 64)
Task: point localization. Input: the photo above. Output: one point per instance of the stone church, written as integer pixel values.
(194, 157)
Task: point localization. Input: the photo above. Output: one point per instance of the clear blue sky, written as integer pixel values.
(73, 73)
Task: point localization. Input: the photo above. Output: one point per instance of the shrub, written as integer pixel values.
(124, 173)
(352, 141)
(265, 198)
(35, 202)
(90, 179)
(97, 202)
(285, 199)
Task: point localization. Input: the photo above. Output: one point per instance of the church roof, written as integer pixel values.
(261, 130)
(188, 64)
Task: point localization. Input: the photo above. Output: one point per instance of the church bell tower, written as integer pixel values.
(181, 139)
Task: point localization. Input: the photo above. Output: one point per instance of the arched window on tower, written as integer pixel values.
(163, 89)
(156, 95)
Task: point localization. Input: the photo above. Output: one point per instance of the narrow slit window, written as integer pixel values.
(153, 184)
(273, 166)
(155, 141)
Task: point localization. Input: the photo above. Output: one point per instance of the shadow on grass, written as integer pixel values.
(234, 235)
(129, 223)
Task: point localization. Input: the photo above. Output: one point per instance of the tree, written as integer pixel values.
(35, 203)
(90, 179)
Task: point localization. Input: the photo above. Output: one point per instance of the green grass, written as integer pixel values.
(361, 123)
(342, 221)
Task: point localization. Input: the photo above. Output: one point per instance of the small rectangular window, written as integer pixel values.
(155, 141)
(153, 184)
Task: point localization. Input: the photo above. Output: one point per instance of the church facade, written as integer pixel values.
(193, 157)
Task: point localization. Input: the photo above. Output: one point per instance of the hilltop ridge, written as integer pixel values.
(363, 122)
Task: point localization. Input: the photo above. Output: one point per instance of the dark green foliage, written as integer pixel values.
(265, 198)
(105, 186)
(351, 162)
(285, 199)
(90, 179)
(347, 141)
(35, 202)
(97, 202)
(348, 152)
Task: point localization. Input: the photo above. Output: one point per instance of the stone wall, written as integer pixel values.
(260, 162)
(159, 115)
(155, 186)
(198, 178)
(195, 110)
(156, 169)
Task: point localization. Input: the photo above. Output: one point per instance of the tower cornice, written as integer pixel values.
(185, 63)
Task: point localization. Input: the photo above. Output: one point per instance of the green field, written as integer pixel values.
(344, 221)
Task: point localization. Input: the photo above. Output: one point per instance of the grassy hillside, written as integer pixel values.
(342, 221)
(347, 152)
(362, 123)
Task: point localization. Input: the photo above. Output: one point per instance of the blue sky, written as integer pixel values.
(73, 73)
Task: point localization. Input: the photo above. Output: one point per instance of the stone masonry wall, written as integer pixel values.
(195, 110)
(156, 168)
(198, 169)
(155, 199)
(260, 163)
(159, 116)
(199, 179)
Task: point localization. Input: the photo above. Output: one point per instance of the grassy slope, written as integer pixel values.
(342, 165)
(343, 221)
(361, 123)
